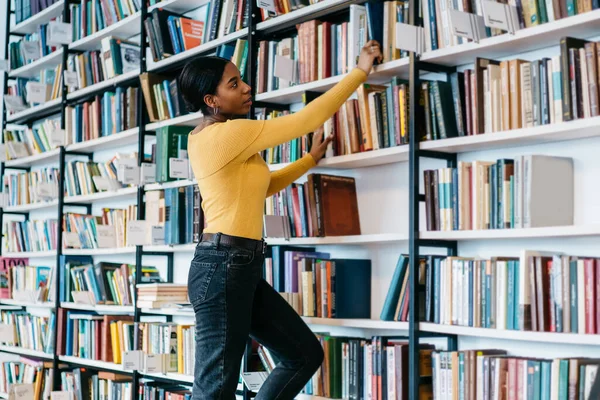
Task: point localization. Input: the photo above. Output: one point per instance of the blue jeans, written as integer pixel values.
(232, 302)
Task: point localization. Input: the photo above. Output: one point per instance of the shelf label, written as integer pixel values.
(31, 49)
(501, 16)
(129, 175)
(19, 149)
(58, 137)
(59, 33)
(467, 25)
(22, 391)
(105, 184)
(410, 38)
(136, 233)
(157, 235)
(268, 5)
(36, 92)
(47, 190)
(60, 395)
(133, 360)
(7, 333)
(71, 240)
(4, 66)
(154, 364)
(106, 236)
(14, 103)
(254, 380)
(83, 297)
(179, 168)
(71, 79)
(286, 69)
(148, 172)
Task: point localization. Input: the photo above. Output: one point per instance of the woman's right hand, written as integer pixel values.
(370, 51)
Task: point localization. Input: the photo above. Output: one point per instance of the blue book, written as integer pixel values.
(351, 286)
(393, 294)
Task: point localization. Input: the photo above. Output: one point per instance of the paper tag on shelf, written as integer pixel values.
(179, 168)
(71, 239)
(7, 333)
(83, 297)
(19, 149)
(268, 5)
(410, 38)
(133, 360)
(47, 190)
(501, 16)
(286, 68)
(31, 49)
(136, 233)
(467, 25)
(58, 137)
(105, 184)
(36, 92)
(148, 172)
(22, 391)
(157, 235)
(154, 364)
(59, 33)
(71, 79)
(60, 395)
(129, 175)
(106, 236)
(14, 103)
(254, 380)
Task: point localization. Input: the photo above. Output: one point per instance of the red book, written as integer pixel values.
(296, 209)
(597, 297)
(590, 296)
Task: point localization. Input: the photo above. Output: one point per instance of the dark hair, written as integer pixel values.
(199, 78)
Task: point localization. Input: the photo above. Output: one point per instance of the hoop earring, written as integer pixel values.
(215, 110)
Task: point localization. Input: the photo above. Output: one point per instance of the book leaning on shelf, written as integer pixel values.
(31, 187)
(93, 232)
(395, 306)
(526, 192)
(89, 177)
(89, 17)
(86, 384)
(31, 331)
(30, 47)
(30, 141)
(27, 371)
(483, 373)
(48, 85)
(29, 236)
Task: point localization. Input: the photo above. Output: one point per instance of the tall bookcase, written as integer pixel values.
(411, 238)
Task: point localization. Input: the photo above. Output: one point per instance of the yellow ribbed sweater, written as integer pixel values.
(233, 178)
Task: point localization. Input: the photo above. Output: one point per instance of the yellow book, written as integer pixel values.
(116, 346)
(180, 349)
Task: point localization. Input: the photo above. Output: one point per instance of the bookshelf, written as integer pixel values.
(399, 166)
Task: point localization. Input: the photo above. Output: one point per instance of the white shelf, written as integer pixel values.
(525, 233)
(572, 130)
(32, 111)
(162, 64)
(30, 254)
(302, 12)
(103, 365)
(190, 120)
(177, 312)
(99, 308)
(168, 185)
(293, 94)
(178, 6)
(31, 207)
(357, 323)
(174, 248)
(340, 240)
(524, 336)
(102, 85)
(99, 252)
(31, 24)
(26, 352)
(3, 395)
(172, 376)
(107, 142)
(303, 396)
(13, 302)
(95, 197)
(383, 73)
(47, 156)
(123, 29)
(582, 26)
(33, 69)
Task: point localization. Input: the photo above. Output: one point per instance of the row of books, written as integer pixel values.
(31, 187)
(27, 371)
(156, 391)
(51, 81)
(82, 177)
(93, 232)
(30, 141)
(25, 9)
(526, 192)
(29, 236)
(107, 114)
(31, 331)
(176, 342)
(491, 374)
(28, 282)
(319, 286)
(86, 384)
(116, 57)
(91, 16)
(157, 295)
(29, 48)
(325, 205)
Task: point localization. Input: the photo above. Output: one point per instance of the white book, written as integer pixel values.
(357, 33)
(549, 70)
(557, 89)
(587, 113)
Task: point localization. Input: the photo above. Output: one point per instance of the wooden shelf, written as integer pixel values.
(102, 365)
(34, 68)
(31, 24)
(190, 120)
(26, 352)
(31, 207)
(30, 254)
(124, 29)
(99, 252)
(525, 233)
(98, 308)
(47, 156)
(34, 111)
(100, 196)
(102, 85)
(113, 141)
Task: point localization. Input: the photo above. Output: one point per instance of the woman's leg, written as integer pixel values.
(221, 286)
(277, 326)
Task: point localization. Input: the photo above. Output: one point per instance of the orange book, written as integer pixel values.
(192, 32)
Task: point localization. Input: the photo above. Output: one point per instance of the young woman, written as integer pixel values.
(225, 286)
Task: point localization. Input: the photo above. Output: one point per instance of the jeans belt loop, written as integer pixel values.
(218, 240)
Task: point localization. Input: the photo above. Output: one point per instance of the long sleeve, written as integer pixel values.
(284, 177)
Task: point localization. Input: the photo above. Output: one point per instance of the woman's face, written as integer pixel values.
(233, 95)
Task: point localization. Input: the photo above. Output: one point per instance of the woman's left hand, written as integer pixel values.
(319, 145)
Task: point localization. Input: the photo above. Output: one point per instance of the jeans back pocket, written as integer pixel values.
(199, 279)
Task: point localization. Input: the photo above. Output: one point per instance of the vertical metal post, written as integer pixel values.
(4, 114)
(57, 272)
